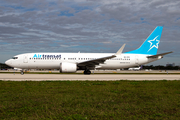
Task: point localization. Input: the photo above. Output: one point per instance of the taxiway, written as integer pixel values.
(92, 77)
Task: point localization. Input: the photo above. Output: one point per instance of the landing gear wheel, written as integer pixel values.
(87, 72)
(22, 73)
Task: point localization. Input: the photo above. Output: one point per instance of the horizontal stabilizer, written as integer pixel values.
(162, 54)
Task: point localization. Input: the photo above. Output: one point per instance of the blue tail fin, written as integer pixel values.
(150, 45)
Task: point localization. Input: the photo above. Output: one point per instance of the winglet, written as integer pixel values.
(119, 52)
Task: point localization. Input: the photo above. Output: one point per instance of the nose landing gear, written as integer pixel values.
(22, 73)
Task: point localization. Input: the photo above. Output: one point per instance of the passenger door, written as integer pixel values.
(25, 60)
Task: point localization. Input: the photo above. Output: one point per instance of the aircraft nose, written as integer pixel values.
(8, 62)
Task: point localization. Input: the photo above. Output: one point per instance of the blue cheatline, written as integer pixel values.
(150, 45)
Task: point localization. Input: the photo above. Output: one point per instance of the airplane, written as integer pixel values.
(136, 68)
(72, 62)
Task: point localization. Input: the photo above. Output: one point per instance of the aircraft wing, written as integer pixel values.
(154, 56)
(92, 63)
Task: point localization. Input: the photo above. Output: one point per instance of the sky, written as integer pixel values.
(97, 26)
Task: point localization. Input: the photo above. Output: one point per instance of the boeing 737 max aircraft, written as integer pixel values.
(71, 62)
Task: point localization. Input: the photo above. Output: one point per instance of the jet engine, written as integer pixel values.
(68, 67)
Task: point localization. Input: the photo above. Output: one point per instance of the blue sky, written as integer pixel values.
(87, 26)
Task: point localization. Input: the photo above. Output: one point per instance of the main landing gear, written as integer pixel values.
(87, 72)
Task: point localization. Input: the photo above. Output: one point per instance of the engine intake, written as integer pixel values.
(68, 67)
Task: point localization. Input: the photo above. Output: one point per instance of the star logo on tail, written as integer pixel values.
(154, 43)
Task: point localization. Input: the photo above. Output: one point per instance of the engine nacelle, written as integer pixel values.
(68, 67)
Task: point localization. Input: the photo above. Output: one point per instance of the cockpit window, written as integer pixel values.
(14, 57)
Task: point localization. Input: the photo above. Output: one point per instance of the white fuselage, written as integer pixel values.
(53, 60)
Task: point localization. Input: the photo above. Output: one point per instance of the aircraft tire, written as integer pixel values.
(87, 72)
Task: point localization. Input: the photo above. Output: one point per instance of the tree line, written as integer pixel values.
(4, 66)
(161, 67)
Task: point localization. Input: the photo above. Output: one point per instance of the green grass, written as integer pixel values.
(81, 100)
